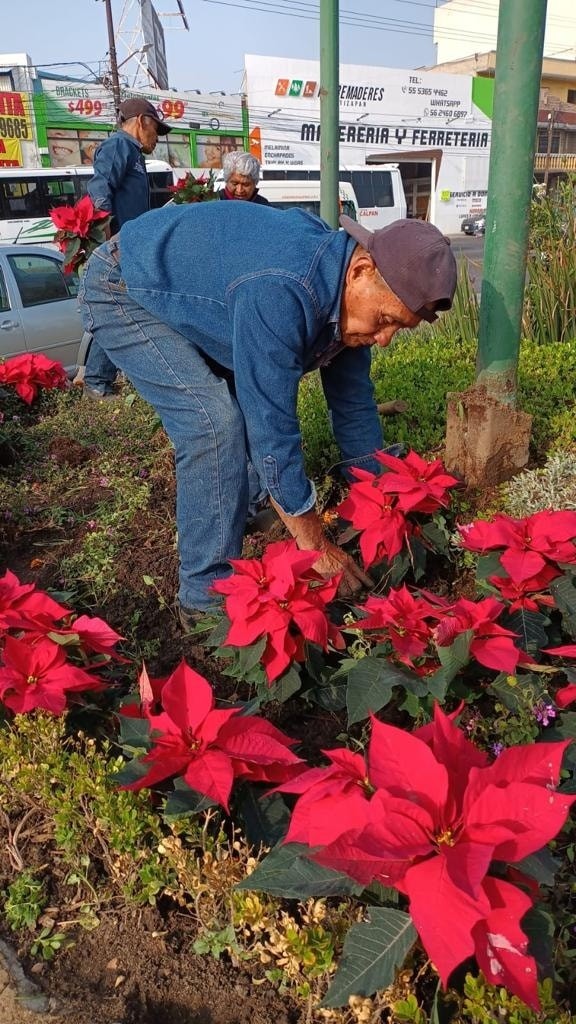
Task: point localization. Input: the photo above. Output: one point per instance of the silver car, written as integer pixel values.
(38, 305)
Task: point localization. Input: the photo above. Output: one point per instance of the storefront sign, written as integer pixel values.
(426, 118)
(15, 120)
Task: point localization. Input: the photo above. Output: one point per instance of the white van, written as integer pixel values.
(378, 189)
(302, 195)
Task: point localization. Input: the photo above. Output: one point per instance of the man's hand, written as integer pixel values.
(309, 535)
(334, 560)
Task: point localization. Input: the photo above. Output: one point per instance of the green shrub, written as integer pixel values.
(550, 301)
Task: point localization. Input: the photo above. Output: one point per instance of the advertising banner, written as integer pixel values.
(418, 116)
(10, 153)
(15, 119)
(71, 101)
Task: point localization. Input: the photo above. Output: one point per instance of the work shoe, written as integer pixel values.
(262, 521)
(189, 618)
(100, 396)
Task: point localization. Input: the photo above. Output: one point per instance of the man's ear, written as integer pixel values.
(361, 265)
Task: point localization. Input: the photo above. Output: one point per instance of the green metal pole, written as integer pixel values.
(329, 111)
(519, 52)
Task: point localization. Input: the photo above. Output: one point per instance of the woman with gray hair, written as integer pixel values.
(241, 175)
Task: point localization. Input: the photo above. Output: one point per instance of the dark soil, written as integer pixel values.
(139, 969)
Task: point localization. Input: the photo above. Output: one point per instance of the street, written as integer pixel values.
(470, 248)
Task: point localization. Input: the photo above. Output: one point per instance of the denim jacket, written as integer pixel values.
(120, 182)
(259, 290)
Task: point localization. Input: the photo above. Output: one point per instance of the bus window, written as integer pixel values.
(159, 183)
(61, 191)
(21, 199)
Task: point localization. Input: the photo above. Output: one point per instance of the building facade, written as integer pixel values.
(464, 27)
(436, 127)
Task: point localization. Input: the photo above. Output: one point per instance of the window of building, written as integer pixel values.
(571, 97)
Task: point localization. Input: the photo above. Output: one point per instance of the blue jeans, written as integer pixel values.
(100, 372)
(199, 413)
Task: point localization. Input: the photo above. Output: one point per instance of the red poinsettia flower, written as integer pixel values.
(420, 486)
(500, 944)
(94, 634)
(530, 543)
(384, 528)
(439, 815)
(332, 800)
(282, 598)
(491, 645)
(406, 621)
(31, 371)
(530, 593)
(39, 676)
(22, 606)
(77, 219)
(210, 747)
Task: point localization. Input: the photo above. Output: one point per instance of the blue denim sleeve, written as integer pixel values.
(111, 161)
(350, 396)
(272, 318)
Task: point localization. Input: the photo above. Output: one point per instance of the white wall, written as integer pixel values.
(465, 27)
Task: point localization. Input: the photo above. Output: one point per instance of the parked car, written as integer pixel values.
(474, 224)
(38, 304)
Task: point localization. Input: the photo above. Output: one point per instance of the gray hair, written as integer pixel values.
(241, 163)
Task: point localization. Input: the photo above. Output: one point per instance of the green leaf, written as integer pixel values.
(437, 537)
(286, 871)
(284, 687)
(530, 628)
(184, 801)
(538, 925)
(370, 685)
(564, 729)
(331, 695)
(266, 817)
(373, 952)
(514, 697)
(134, 733)
(490, 565)
(132, 771)
(64, 639)
(453, 659)
(564, 593)
(541, 865)
(249, 657)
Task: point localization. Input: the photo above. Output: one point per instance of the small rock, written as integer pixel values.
(119, 980)
(112, 965)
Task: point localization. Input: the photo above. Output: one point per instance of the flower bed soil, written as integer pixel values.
(139, 969)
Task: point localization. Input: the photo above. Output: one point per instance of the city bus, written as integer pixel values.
(27, 195)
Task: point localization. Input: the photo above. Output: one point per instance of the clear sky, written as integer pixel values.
(389, 33)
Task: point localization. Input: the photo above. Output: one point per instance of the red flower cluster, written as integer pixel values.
(426, 814)
(30, 372)
(282, 598)
(40, 637)
(193, 190)
(81, 228)
(417, 626)
(532, 547)
(207, 746)
(378, 505)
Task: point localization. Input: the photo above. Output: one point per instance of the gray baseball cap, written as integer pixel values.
(414, 258)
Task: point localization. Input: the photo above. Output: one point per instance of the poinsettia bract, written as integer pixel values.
(209, 747)
(282, 598)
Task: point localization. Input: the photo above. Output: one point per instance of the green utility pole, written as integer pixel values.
(521, 25)
(329, 111)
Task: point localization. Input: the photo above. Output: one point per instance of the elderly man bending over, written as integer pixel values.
(268, 295)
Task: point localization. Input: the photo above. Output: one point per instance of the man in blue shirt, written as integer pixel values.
(120, 186)
(267, 295)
